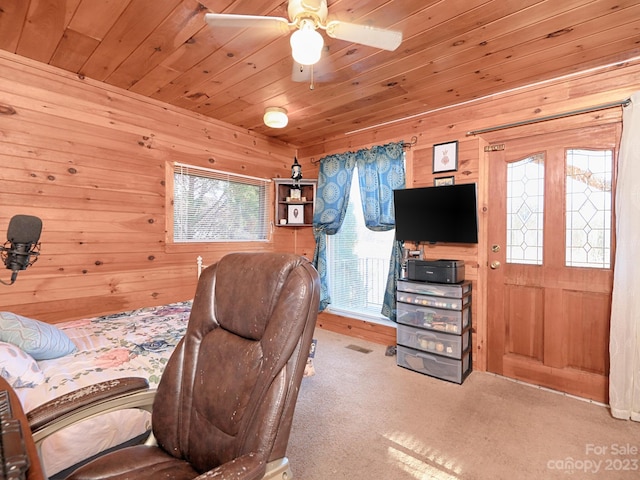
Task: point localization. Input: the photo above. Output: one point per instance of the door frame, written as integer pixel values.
(490, 142)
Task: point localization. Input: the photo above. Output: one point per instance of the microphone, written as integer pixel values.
(22, 248)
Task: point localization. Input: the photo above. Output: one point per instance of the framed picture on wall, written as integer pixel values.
(295, 214)
(440, 181)
(445, 157)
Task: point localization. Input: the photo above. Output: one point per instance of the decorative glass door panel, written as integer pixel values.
(525, 210)
(549, 288)
(589, 208)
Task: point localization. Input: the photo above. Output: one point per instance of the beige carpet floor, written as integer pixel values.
(362, 417)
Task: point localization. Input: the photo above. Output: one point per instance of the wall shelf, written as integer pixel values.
(292, 211)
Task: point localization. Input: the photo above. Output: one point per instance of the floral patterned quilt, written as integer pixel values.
(137, 343)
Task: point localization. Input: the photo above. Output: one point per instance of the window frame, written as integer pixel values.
(172, 168)
(340, 310)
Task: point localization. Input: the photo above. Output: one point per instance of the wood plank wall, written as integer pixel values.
(580, 91)
(91, 160)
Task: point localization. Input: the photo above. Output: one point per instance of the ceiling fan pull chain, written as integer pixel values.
(312, 86)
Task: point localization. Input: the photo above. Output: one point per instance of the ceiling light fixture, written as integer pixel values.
(275, 117)
(306, 43)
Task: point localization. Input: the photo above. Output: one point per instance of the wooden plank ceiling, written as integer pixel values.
(452, 51)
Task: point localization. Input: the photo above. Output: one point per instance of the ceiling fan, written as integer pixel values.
(306, 17)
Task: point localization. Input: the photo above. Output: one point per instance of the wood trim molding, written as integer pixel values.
(370, 331)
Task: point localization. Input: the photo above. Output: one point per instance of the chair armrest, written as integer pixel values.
(246, 467)
(88, 402)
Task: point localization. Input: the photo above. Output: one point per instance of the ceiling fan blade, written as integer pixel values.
(228, 20)
(365, 35)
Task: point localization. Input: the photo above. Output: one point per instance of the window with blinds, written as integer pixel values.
(215, 206)
(358, 263)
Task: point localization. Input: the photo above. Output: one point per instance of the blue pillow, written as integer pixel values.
(41, 340)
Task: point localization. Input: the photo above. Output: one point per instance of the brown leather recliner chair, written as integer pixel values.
(225, 403)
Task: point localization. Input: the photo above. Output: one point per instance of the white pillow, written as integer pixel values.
(41, 340)
(19, 368)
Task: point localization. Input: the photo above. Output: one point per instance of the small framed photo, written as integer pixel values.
(295, 193)
(295, 214)
(439, 182)
(445, 157)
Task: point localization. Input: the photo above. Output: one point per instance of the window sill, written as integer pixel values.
(379, 320)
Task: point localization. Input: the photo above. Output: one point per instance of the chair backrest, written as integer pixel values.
(231, 385)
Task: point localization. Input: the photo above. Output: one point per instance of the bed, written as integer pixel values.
(135, 343)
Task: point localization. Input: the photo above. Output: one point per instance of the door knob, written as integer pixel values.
(495, 264)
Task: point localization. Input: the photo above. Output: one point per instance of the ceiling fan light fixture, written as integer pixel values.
(275, 117)
(306, 44)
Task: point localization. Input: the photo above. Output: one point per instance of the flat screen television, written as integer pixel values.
(437, 214)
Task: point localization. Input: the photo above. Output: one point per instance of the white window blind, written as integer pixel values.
(215, 206)
(358, 262)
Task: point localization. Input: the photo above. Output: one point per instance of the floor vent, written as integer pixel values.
(359, 349)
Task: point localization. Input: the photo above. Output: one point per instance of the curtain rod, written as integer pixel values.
(623, 103)
(413, 142)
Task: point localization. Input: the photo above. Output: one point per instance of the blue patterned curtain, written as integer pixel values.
(332, 198)
(380, 171)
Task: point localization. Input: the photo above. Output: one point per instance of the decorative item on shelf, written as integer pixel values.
(275, 117)
(296, 173)
(445, 157)
(295, 194)
(295, 215)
